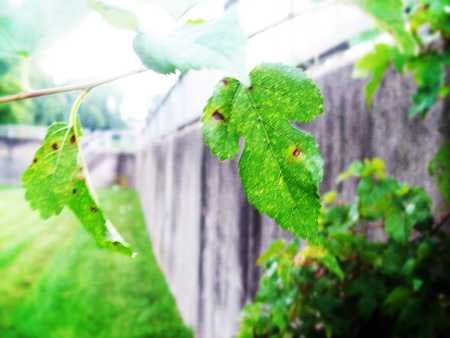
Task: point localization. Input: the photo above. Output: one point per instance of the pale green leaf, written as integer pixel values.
(374, 65)
(322, 255)
(281, 166)
(217, 44)
(389, 15)
(117, 17)
(275, 249)
(56, 179)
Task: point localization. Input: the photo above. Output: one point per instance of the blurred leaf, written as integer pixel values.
(320, 254)
(389, 16)
(117, 17)
(56, 179)
(276, 248)
(369, 167)
(281, 166)
(439, 168)
(402, 207)
(374, 65)
(217, 44)
(396, 299)
(429, 75)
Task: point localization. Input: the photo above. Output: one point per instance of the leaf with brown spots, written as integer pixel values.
(56, 179)
(280, 166)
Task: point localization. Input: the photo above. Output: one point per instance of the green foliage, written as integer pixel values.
(387, 287)
(217, 44)
(57, 178)
(117, 17)
(422, 48)
(57, 284)
(374, 64)
(280, 166)
(389, 16)
(439, 169)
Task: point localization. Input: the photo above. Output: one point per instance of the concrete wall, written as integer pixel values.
(205, 234)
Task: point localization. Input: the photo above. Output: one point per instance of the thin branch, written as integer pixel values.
(289, 17)
(442, 221)
(71, 88)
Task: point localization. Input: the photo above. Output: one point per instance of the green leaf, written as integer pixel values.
(429, 75)
(276, 248)
(389, 16)
(369, 167)
(321, 254)
(281, 166)
(217, 44)
(402, 207)
(439, 168)
(56, 179)
(117, 17)
(374, 65)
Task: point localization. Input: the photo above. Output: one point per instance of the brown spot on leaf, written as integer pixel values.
(225, 82)
(55, 146)
(296, 152)
(218, 116)
(35, 160)
(73, 139)
(94, 209)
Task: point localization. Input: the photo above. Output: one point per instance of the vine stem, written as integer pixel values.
(71, 88)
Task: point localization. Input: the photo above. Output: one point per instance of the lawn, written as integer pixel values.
(55, 283)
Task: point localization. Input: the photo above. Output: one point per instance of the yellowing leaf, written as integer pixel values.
(56, 179)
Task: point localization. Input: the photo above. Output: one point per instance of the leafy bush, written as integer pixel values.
(394, 258)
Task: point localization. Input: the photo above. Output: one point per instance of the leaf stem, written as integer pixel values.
(71, 88)
(76, 106)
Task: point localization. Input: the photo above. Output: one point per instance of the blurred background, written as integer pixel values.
(157, 180)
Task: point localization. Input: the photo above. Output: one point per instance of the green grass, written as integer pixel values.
(55, 283)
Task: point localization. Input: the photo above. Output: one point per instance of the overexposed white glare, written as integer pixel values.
(95, 50)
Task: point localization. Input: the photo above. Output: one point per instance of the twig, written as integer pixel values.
(71, 88)
(444, 219)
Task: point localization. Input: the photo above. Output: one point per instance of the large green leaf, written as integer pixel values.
(390, 16)
(56, 178)
(217, 44)
(281, 166)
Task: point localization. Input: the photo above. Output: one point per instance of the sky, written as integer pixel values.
(95, 50)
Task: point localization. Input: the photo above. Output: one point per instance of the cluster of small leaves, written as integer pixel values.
(280, 166)
(422, 48)
(374, 286)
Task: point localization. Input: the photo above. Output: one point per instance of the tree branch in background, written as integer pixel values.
(71, 88)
